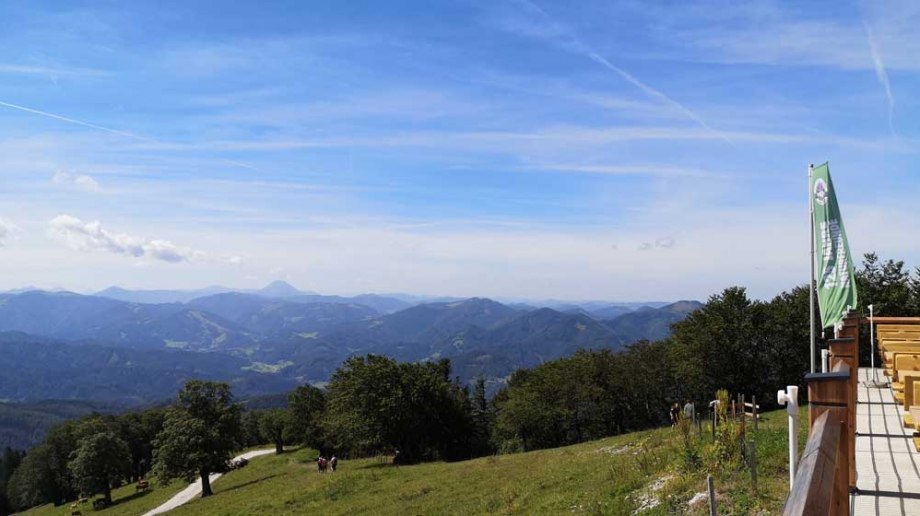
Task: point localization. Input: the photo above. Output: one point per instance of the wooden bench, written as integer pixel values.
(910, 402)
(906, 365)
(142, 485)
(911, 378)
(904, 360)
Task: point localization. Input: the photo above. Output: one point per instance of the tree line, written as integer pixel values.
(374, 404)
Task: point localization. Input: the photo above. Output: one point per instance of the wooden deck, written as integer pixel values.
(887, 463)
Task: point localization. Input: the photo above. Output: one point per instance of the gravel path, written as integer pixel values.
(194, 489)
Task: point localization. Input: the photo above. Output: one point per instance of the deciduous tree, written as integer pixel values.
(200, 434)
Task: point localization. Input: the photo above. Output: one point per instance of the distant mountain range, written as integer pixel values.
(132, 347)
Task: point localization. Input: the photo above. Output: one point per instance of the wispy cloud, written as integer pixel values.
(126, 134)
(633, 169)
(570, 40)
(882, 75)
(47, 70)
(91, 236)
(660, 243)
(79, 181)
(7, 228)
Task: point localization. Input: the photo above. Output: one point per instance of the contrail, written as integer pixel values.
(591, 54)
(882, 76)
(78, 122)
(648, 90)
(108, 130)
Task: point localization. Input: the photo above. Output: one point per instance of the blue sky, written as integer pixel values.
(604, 150)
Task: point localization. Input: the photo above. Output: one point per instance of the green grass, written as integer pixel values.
(608, 476)
(125, 501)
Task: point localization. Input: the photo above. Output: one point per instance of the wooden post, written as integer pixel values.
(712, 495)
(754, 411)
(714, 418)
(829, 393)
(753, 461)
(846, 349)
(744, 454)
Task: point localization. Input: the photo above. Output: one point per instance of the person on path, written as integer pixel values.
(675, 413)
(689, 411)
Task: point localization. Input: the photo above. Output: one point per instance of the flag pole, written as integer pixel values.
(811, 284)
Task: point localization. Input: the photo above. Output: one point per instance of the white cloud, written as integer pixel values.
(660, 243)
(7, 229)
(665, 243)
(79, 181)
(91, 236)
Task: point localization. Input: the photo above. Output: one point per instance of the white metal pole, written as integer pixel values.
(811, 284)
(872, 342)
(790, 398)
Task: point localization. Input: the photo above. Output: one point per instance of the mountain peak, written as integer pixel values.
(279, 288)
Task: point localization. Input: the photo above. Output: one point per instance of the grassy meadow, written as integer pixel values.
(126, 501)
(617, 475)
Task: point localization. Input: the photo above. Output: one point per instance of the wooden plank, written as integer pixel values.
(814, 490)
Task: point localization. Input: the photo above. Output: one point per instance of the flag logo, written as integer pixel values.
(820, 192)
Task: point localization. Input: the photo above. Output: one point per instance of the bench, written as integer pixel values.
(902, 360)
(142, 485)
(910, 400)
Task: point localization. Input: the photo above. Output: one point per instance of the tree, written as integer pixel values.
(377, 404)
(888, 287)
(252, 428)
(101, 458)
(483, 416)
(139, 429)
(885, 285)
(306, 405)
(723, 346)
(274, 424)
(200, 434)
(9, 461)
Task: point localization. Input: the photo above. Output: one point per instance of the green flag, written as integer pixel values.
(836, 282)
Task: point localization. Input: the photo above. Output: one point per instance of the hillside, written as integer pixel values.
(23, 425)
(616, 475)
(279, 317)
(49, 369)
(288, 336)
(650, 323)
(76, 317)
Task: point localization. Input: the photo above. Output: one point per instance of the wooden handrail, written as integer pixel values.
(813, 491)
(827, 471)
(891, 320)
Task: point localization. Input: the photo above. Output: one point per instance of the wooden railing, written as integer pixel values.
(826, 472)
(817, 483)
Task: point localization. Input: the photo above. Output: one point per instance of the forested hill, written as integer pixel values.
(104, 347)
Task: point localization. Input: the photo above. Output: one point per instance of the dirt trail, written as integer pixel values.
(194, 489)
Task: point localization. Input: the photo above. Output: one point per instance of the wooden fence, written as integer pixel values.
(827, 470)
